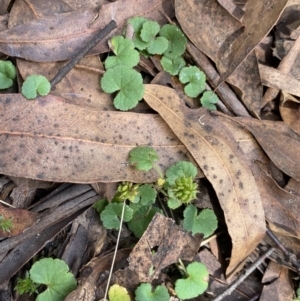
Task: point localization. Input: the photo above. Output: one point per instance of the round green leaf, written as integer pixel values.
(144, 293)
(54, 273)
(7, 74)
(209, 99)
(124, 51)
(137, 23)
(177, 41)
(143, 157)
(35, 84)
(179, 170)
(149, 31)
(195, 78)
(195, 284)
(128, 82)
(118, 293)
(172, 66)
(158, 46)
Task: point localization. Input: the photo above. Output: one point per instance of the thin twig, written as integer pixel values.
(116, 250)
(292, 257)
(82, 52)
(247, 272)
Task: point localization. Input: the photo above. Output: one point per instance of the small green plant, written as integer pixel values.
(195, 283)
(34, 85)
(6, 224)
(118, 293)
(54, 273)
(7, 74)
(209, 99)
(145, 293)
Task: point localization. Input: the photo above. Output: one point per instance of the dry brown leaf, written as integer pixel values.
(171, 243)
(281, 144)
(50, 140)
(58, 37)
(289, 111)
(224, 39)
(217, 154)
(20, 218)
(80, 86)
(273, 78)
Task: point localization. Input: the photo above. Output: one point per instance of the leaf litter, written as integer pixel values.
(75, 135)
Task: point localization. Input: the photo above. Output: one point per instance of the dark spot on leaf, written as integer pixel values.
(39, 151)
(221, 181)
(55, 142)
(214, 176)
(56, 125)
(64, 147)
(21, 145)
(241, 185)
(7, 100)
(231, 156)
(208, 128)
(120, 136)
(33, 160)
(108, 157)
(66, 157)
(15, 158)
(71, 148)
(193, 145)
(40, 175)
(185, 134)
(205, 167)
(192, 136)
(97, 138)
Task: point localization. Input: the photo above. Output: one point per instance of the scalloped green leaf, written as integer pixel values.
(177, 41)
(205, 222)
(209, 99)
(179, 170)
(158, 46)
(144, 293)
(195, 284)
(118, 293)
(172, 66)
(7, 74)
(147, 194)
(137, 24)
(110, 216)
(143, 157)
(54, 273)
(127, 82)
(124, 51)
(35, 84)
(195, 80)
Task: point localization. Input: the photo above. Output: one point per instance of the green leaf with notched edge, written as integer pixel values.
(128, 84)
(118, 293)
(7, 74)
(177, 41)
(110, 216)
(124, 51)
(195, 80)
(34, 85)
(143, 157)
(137, 23)
(54, 273)
(205, 222)
(147, 194)
(195, 284)
(179, 170)
(172, 66)
(144, 293)
(209, 99)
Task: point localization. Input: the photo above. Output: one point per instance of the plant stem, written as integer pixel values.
(82, 52)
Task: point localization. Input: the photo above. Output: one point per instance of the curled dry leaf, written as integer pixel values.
(223, 38)
(216, 152)
(58, 37)
(48, 139)
(289, 111)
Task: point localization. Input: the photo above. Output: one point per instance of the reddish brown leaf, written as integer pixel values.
(58, 37)
(21, 219)
(50, 140)
(217, 153)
